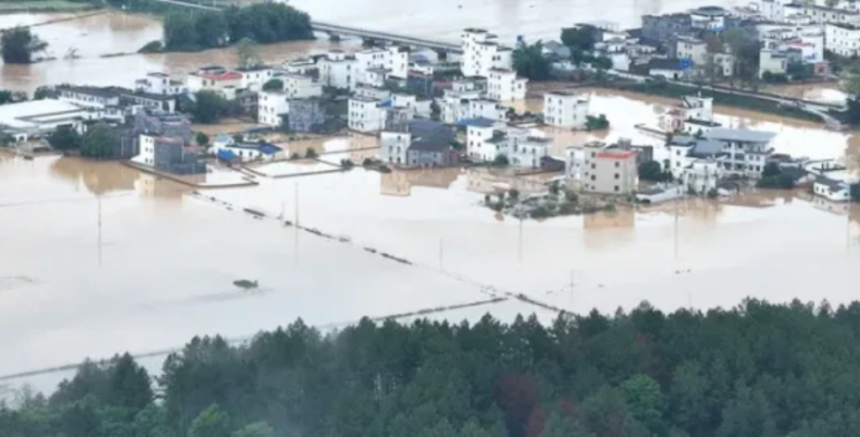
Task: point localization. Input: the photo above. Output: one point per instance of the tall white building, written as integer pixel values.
(482, 52)
(160, 83)
(273, 105)
(503, 84)
(299, 86)
(842, 39)
(565, 110)
(393, 146)
(338, 70)
(366, 115)
(253, 78)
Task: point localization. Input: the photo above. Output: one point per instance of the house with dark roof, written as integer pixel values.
(432, 151)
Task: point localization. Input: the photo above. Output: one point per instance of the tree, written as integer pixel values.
(98, 141)
(44, 92)
(180, 31)
(580, 38)
(273, 85)
(209, 107)
(773, 177)
(855, 192)
(653, 171)
(256, 429)
(501, 161)
(248, 53)
(202, 139)
(560, 425)
(211, 29)
(211, 422)
(645, 401)
(596, 123)
(747, 414)
(18, 45)
(65, 138)
(530, 63)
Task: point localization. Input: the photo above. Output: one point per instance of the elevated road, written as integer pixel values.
(338, 29)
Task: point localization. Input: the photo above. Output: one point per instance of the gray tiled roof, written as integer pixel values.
(742, 135)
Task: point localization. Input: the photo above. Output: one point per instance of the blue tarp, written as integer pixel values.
(269, 149)
(226, 155)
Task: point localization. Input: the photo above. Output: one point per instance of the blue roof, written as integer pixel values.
(477, 122)
(386, 104)
(269, 149)
(226, 155)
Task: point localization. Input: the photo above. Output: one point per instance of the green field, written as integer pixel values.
(7, 6)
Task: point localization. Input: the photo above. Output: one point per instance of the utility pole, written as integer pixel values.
(571, 289)
(99, 202)
(297, 204)
(441, 255)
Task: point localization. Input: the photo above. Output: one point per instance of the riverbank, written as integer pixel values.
(39, 6)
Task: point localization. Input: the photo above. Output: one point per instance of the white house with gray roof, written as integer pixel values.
(746, 151)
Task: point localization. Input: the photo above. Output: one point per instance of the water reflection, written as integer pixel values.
(400, 182)
(97, 177)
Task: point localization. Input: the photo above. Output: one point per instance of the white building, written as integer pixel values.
(690, 48)
(338, 70)
(160, 83)
(709, 18)
(832, 189)
(503, 84)
(88, 97)
(366, 115)
(247, 151)
(216, 79)
(772, 61)
(482, 52)
(146, 154)
(701, 175)
(253, 78)
(38, 118)
(272, 106)
(842, 39)
(300, 86)
(565, 110)
(456, 107)
(300, 65)
(393, 146)
(486, 139)
(746, 151)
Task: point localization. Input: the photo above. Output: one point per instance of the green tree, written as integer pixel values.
(530, 63)
(209, 107)
(256, 429)
(202, 139)
(653, 171)
(560, 425)
(180, 31)
(501, 161)
(65, 138)
(645, 401)
(273, 85)
(580, 38)
(211, 29)
(748, 414)
(98, 141)
(211, 422)
(248, 53)
(18, 45)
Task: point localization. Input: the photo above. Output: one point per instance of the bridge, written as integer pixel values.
(336, 29)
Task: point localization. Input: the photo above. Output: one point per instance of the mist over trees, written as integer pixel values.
(757, 370)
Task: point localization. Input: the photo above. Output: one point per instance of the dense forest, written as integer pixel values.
(263, 23)
(756, 370)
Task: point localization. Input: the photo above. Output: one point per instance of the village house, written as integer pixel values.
(420, 143)
(165, 144)
(503, 84)
(226, 148)
(747, 150)
(482, 52)
(273, 105)
(566, 110)
(215, 78)
(160, 83)
(690, 108)
(598, 168)
(842, 39)
(712, 18)
(671, 69)
(338, 70)
(305, 115)
(772, 61)
(486, 139)
(88, 96)
(253, 78)
(687, 47)
(366, 115)
(301, 65)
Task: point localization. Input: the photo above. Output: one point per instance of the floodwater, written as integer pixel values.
(97, 258)
(93, 37)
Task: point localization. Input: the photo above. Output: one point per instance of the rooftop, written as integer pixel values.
(740, 135)
(706, 148)
(616, 154)
(478, 122)
(429, 144)
(226, 75)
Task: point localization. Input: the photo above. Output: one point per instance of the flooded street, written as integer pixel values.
(159, 269)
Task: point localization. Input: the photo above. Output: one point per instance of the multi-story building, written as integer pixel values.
(458, 106)
(842, 39)
(88, 96)
(299, 86)
(821, 14)
(565, 110)
(693, 49)
(338, 70)
(746, 151)
(215, 78)
(701, 176)
(393, 145)
(420, 143)
(772, 62)
(253, 78)
(302, 65)
(366, 115)
(690, 108)
(712, 18)
(164, 143)
(503, 84)
(485, 140)
(306, 115)
(160, 83)
(482, 52)
(608, 170)
(272, 106)
(662, 28)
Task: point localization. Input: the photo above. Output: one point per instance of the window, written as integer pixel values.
(593, 166)
(617, 176)
(594, 178)
(616, 188)
(617, 164)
